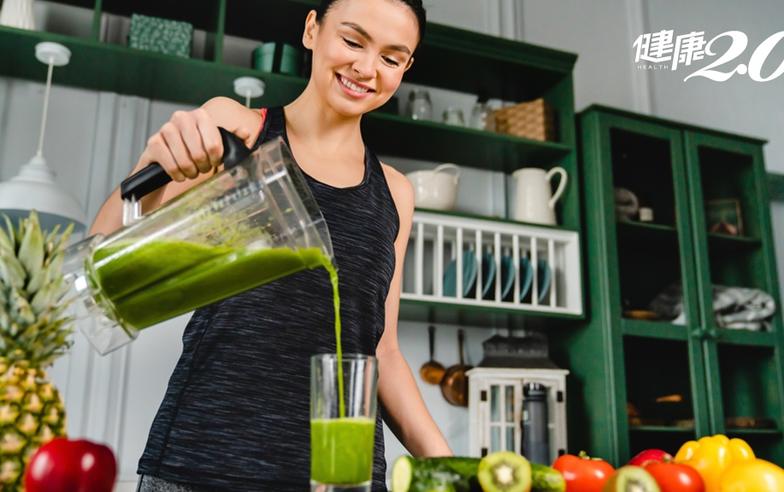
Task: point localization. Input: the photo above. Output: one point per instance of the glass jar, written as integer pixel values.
(454, 116)
(419, 105)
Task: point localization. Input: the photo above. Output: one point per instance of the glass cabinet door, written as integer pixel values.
(651, 256)
(738, 290)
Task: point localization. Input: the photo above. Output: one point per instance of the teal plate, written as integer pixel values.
(526, 277)
(469, 275)
(507, 276)
(488, 274)
(543, 278)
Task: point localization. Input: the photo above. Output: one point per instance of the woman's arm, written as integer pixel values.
(407, 415)
(189, 130)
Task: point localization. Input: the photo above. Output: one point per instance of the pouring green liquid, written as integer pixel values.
(149, 282)
(157, 280)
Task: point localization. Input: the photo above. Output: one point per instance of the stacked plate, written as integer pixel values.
(527, 272)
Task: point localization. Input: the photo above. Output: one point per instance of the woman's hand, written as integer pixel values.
(189, 148)
(187, 145)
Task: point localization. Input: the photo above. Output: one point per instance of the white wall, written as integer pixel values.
(94, 138)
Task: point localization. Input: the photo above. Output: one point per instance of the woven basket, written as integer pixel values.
(534, 120)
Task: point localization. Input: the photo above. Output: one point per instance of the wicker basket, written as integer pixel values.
(534, 119)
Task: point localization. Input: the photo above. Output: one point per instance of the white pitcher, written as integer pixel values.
(534, 199)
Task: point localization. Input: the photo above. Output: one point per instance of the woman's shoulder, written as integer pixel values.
(402, 191)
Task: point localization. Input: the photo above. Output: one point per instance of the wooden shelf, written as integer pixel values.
(498, 67)
(468, 215)
(649, 227)
(746, 337)
(431, 140)
(654, 329)
(450, 313)
(725, 241)
(661, 428)
(753, 432)
(647, 235)
(449, 57)
(108, 67)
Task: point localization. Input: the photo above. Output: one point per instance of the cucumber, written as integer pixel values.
(546, 479)
(448, 474)
(458, 474)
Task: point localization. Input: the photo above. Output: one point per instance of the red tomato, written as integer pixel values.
(650, 455)
(583, 474)
(62, 465)
(673, 477)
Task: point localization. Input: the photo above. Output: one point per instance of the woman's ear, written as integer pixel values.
(311, 30)
(408, 65)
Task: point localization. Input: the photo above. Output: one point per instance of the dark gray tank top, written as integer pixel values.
(235, 415)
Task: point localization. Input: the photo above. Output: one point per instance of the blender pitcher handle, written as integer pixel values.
(153, 176)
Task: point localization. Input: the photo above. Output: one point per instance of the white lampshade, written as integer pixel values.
(34, 188)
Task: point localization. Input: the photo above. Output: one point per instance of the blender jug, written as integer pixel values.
(247, 225)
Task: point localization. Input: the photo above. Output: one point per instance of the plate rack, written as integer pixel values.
(445, 264)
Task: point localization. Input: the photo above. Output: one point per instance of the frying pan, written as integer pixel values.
(431, 371)
(454, 385)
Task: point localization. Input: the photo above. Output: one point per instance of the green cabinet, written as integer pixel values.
(642, 377)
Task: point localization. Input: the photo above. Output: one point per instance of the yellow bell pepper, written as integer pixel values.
(753, 476)
(711, 456)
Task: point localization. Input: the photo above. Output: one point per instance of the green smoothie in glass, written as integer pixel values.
(342, 450)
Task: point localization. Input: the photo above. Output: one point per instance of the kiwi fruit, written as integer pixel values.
(504, 471)
(631, 478)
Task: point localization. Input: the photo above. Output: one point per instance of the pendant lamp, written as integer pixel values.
(34, 188)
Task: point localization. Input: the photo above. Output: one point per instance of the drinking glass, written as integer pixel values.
(342, 422)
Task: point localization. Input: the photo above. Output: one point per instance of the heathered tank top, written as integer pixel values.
(235, 415)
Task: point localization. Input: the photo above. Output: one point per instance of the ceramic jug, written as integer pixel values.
(535, 201)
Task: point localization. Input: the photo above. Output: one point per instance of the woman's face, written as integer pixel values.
(360, 51)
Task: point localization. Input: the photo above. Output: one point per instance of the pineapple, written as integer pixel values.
(34, 331)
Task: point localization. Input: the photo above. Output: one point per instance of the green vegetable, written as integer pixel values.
(459, 474)
(546, 479)
(449, 474)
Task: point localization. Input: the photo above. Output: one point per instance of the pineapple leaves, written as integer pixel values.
(31, 249)
(34, 326)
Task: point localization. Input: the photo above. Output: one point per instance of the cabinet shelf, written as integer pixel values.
(499, 67)
(654, 329)
(108, 67)
(661, 429)
(646, 235)
(727, 242)
(436, 141)
(746, 337)
(740, 432)
(647, 227)
(500, 220)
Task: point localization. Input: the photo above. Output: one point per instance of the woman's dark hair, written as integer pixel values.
(414, 5)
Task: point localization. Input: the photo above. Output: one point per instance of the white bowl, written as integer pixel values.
(437, 188)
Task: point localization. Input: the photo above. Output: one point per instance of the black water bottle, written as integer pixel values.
(536, 446)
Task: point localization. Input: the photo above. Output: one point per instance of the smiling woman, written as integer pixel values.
(236, 412)
(361, 52)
